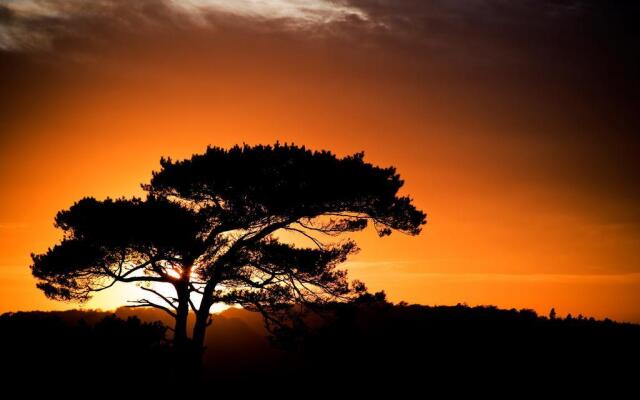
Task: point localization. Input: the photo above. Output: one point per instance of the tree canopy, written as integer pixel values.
(210, 228)
(128, 240)
(247, 185)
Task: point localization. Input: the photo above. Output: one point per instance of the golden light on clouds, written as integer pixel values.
(299, 11)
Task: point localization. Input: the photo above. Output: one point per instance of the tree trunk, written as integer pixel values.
(180, 338)
(202, 316)
(202, 322)
(187, 355)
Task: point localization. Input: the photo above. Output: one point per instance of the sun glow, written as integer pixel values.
(123, 294)
(174, 273)
(521, 157)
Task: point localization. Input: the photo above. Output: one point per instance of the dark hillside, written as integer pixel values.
(371, 343)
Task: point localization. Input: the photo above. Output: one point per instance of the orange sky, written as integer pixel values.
(521, 160)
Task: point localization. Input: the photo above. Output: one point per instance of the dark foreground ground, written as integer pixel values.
(368, 346)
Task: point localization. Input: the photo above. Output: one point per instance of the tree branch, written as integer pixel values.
(159, 295)
(147, 303)
(193, 307)
(314, 240)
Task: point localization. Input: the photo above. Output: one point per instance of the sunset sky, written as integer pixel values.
(515, 125)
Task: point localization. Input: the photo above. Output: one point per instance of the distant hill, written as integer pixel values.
(372, 343)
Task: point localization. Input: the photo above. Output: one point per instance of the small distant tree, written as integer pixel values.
(552, 314)
(211, 229)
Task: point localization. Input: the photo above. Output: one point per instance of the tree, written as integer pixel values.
(132, 241)
(212, 229)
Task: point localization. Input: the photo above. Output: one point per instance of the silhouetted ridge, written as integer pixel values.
(370, 340)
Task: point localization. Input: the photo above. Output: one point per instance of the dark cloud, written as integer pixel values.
(565, 74)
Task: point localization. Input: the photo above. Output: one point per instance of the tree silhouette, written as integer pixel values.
(212, 228)
(131, 241)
